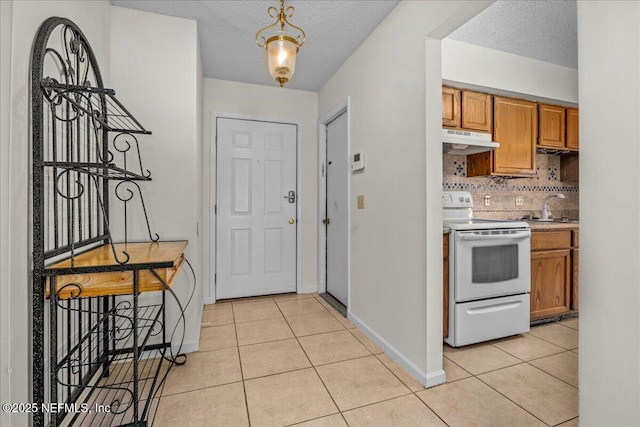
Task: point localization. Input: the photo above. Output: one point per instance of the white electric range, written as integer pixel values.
(489, 273)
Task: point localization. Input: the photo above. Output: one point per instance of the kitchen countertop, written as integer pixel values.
(540, 226)
(552, 225)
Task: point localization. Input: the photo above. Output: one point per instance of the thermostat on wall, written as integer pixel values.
(358, 161)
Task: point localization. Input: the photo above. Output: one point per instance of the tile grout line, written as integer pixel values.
(392, 373)
(314, 369)
(498, 369)
(376, 356)
(507, 397)
(201, 388)
(470, 374)
(550, 374)
(557, 345)
(430, 408)
(562, 422)
(244, 388)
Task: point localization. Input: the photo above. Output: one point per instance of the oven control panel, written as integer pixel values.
(457, 199)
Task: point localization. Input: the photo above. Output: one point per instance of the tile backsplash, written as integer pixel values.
(502, 192)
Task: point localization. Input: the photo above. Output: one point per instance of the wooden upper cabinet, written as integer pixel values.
(476, 111)
(462, 109)
(573, 128)
(551, 129)
(450, 107)
(515, 128)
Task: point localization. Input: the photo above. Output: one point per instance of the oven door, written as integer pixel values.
(491, 263)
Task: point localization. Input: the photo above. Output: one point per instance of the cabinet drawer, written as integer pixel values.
(484, 320)
(541, 240)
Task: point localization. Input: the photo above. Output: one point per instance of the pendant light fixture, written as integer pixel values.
(281, 43)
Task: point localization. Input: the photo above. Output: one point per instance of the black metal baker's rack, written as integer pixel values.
(100, 354)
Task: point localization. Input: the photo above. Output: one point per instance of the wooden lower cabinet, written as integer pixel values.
(554, 272)
(550, 283)
(575, 281)
(445, 284)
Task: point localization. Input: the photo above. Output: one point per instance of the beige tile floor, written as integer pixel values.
(293, 360)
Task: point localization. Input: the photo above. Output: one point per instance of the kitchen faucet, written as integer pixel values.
(545, 209)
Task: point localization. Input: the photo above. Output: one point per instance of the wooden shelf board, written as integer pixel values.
(168, 254)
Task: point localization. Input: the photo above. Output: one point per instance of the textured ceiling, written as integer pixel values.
(541, 29)
(227, 35)
(544, 30)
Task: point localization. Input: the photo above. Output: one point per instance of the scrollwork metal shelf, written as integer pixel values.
(101, 170)
(97, 349)
(99, 103)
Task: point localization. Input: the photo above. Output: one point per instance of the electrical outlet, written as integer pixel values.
(360, 201)
(487, 200)
(519, 200)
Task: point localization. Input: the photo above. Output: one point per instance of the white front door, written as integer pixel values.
(256, 208)
(337, 209)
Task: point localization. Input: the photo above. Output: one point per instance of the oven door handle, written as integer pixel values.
(511, 236)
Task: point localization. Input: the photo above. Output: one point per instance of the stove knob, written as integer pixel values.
(461, 199)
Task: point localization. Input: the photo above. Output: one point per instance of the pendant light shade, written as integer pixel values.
(281, 45)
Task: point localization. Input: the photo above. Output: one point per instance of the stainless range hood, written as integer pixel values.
(463, 142)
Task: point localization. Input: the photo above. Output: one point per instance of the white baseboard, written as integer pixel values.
(428, 380)
(436, 378)
(302, 290)
(308, 289)
(191, 347)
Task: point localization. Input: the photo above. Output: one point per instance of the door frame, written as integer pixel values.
(213, 196)
(342, 107)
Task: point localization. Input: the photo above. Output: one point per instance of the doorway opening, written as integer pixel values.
(334, 206)
(256, 207)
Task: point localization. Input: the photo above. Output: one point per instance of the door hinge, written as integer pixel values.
(215, 209)
(215, 278)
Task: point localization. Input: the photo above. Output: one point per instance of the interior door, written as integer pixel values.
(255, 208)
(337, 227)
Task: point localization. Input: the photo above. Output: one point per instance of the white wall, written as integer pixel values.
(274, 103)
(25, 18)
(392, 284)
(609, 62)
(6, 16)
(202, 219)
(154, 70)
(478, 65)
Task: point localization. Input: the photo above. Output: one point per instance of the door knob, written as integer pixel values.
(291, 220)
(326, 221)
(291, 196)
